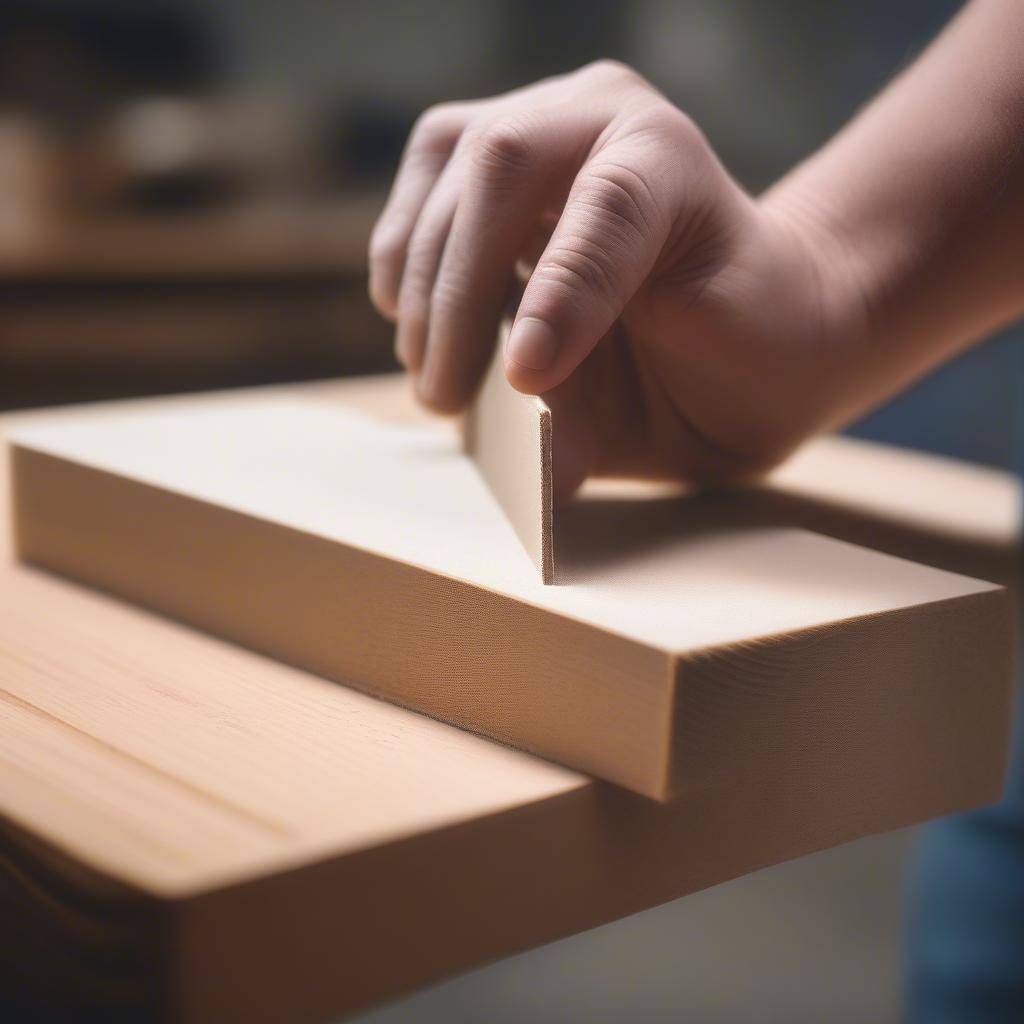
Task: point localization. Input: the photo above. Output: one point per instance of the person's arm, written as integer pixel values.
(676, 325)
(919, 202)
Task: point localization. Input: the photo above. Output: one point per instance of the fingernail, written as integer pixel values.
(532, 344)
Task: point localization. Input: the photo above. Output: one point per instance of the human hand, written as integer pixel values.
(676, 326)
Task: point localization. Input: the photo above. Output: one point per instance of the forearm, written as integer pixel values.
(917, 207)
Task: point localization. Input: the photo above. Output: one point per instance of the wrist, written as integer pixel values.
(842, 293)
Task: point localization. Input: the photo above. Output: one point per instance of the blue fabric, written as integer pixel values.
(967, 912)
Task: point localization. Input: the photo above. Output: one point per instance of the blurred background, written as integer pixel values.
(186, 192)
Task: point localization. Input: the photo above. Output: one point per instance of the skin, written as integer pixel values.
(677, 326)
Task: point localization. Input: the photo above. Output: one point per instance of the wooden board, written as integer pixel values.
(373, 554)
(508, 436)
(193, 830)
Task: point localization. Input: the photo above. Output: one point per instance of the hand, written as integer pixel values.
(676, 326)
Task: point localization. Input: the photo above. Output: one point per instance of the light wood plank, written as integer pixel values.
(374, 555)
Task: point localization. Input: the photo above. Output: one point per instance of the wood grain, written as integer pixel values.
(192, 832)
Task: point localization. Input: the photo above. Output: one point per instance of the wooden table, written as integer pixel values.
(192, 832)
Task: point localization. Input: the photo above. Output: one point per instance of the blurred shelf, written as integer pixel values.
(152, 305)
(326, 239)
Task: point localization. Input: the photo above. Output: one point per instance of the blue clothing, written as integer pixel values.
(967, 911)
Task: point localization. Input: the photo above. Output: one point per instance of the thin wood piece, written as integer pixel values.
(373, 554)
(508, 436)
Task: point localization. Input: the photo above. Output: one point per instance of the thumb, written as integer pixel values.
(607, 241)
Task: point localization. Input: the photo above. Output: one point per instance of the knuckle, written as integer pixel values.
(620, 200)
(385, 249)
(580, 267)
(503, 149)
(666, 125)
(609, 70)
(436, 128)
(680, 127)
(621, 205)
